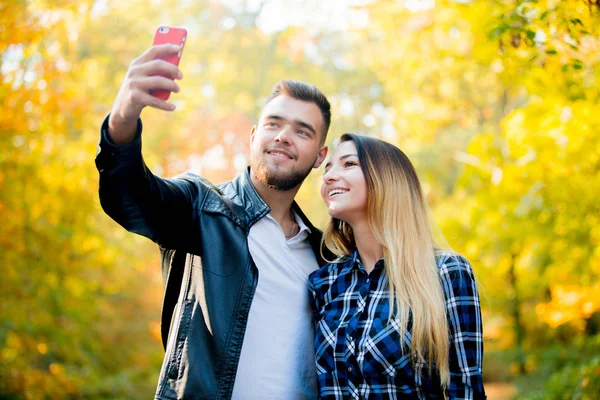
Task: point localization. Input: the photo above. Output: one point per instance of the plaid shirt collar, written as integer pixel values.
(353, 262)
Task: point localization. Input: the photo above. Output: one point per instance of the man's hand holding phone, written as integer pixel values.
(150, 76)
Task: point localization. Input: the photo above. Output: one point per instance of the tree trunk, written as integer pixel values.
(518, 327)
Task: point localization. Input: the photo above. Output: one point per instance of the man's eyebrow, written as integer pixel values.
(305, 125)
(274, 116)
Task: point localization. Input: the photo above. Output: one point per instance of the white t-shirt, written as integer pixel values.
(277, 360)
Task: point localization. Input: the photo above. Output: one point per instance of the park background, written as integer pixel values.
(495, 102)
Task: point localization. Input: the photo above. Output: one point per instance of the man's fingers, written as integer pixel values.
(155, 102)
(158, 51)
(148, 83)
(156, 67)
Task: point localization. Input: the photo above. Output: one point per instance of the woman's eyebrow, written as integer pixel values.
(328, 164)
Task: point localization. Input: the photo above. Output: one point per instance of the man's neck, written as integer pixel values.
(279, 201)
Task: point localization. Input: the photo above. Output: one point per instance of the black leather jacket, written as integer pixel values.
(209, 275)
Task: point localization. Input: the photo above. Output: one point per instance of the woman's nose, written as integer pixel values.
(330, 176)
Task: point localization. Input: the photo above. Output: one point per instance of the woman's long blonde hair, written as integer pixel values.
(398, 217)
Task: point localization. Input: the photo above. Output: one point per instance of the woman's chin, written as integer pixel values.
(334, 213)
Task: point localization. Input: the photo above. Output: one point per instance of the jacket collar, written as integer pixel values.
(253, 207)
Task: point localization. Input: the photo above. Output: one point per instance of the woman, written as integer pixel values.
(390, 282)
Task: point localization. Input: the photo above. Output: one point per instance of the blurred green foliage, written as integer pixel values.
(497, 103)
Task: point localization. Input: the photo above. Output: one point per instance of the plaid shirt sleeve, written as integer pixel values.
(312, 298)
(466, 334)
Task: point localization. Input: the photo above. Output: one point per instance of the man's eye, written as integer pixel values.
(302, 132)
(271, 124)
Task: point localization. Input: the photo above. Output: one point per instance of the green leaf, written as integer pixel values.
(530, 34)
(551, 52)
(577, 21)
(498, 31)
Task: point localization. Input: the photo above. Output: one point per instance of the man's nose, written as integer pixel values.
(284, 134)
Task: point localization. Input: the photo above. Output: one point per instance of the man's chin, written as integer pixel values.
(284, 182)
(278, 179)
(279, 176)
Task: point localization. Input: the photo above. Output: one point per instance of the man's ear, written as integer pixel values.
(321, 157)
(252, 132)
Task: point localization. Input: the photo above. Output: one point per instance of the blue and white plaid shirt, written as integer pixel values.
(358, 353)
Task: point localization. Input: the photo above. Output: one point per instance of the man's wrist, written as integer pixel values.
(109, 155)
(121, 132)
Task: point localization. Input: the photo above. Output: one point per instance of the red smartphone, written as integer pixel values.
(167, 34)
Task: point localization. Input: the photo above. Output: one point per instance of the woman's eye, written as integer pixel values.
(271, 124)
(349, 163)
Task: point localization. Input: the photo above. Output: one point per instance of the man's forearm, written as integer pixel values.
(159, 209)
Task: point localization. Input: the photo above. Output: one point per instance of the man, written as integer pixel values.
(236, 320)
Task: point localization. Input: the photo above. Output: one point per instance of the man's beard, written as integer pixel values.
(275, 179)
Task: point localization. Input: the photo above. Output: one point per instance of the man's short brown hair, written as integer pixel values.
(305, 92)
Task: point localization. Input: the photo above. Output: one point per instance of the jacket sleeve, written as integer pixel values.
(466, 334)
(163, 210)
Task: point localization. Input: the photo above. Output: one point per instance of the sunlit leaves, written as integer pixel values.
(495, 102)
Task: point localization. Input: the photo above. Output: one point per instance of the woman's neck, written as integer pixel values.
(369, 249)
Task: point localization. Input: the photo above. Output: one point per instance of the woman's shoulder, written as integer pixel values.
(455, 272)
(453, 264)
